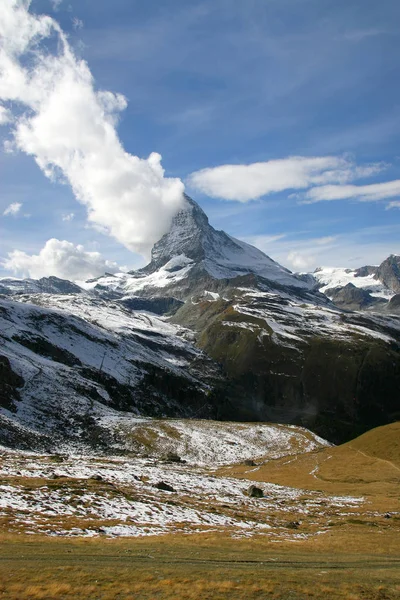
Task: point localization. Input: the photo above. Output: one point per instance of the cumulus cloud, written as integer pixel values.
(12, 209)
(69, 128)
(68, 217)
(249, 182)
(366, 193)
(60, 258)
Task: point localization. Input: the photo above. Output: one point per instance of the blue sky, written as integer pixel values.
(234, 82)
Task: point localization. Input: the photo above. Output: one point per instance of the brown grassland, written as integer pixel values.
(199, 567)
(355, 558)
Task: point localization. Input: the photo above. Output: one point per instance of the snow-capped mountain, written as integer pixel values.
(191, 251)
(366, 288)
(212, 327)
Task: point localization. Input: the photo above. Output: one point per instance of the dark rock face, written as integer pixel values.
(353, 298)
(336, 389)
(4, 291)
(9, 384)
(158, 306)
(365, 271)
(394, 304)
(42, 346)
(389, 273)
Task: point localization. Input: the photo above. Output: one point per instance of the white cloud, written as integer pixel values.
(13, 209)
(300, 261)
(69, 129)
(68, 217)
(365, 193)
(5, 115)
(249, 182)
(60, 258)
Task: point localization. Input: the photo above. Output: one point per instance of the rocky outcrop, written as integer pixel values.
(389, 273)
(365, 271)
(352, 298)
(394, 304)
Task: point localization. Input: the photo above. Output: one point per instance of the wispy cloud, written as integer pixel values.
(249, 182)
(77, 23)
(365, 193)
(56, 4)
(68, 216)
(12, 209)
(358, 35)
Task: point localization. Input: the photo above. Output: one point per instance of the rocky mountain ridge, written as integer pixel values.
(372, 288)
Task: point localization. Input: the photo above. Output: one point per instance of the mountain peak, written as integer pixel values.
(192, 237)
(186, 236)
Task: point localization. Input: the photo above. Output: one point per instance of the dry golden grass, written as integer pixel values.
(382, 443)
(187, 568)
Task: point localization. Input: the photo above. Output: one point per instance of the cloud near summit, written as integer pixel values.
(69, 128)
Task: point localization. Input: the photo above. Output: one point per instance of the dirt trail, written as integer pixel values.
(375, 457)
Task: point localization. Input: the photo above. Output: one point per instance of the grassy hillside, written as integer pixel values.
(381, 442)
(368, 466)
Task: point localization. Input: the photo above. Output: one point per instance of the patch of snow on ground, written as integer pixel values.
(119, 497)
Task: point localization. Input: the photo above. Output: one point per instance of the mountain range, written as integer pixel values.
(210, 328)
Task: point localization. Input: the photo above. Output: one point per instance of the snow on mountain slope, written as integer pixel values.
(287, 320)
(81, 359)
(239, 258)
(329, 278)
(212, 443)
(48, 285)
(128, 285)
